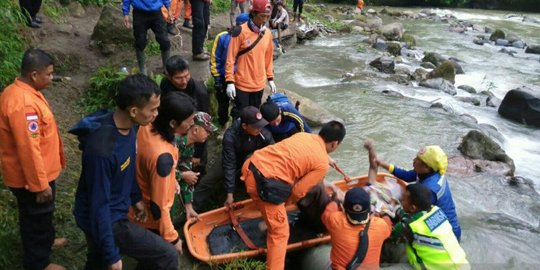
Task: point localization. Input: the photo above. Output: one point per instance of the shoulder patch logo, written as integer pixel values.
(435, 220)
(125, 164)
(33, 126)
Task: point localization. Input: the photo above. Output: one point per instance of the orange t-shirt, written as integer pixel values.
(31, 150)
(300, 160)
(156, 163)
(345, 237)
(253, 68)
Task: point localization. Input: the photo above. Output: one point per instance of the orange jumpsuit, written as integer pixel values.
(253, 68)
(32, 153)
(300, 160)
(345, 238)
(156, 163)
(176, 9)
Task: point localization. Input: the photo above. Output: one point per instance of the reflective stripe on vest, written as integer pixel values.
(434, 244)
(442, 184)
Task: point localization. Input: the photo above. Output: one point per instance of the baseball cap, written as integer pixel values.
(261, 6)
(242, 18)
(252, 116)
(357, 205)
(205, 121)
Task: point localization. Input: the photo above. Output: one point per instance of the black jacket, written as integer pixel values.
(237, 146)
(198, 92)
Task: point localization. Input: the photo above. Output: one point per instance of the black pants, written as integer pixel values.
(36, 227)
(200, 14)
(223, 105)
(244, 99)
(30, 8)
(298, 5)
(208, 184)
(144, 20)
(150, 250)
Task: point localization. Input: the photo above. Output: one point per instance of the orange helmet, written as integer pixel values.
(261, 6)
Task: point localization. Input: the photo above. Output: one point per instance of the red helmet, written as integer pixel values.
(261, 6)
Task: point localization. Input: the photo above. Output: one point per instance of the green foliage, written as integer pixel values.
(54, 11)
(220, 6)
(153, 48)
(244, 264)
(101, 90)
(13, 41)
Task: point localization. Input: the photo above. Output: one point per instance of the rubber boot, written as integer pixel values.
(141, 61)
(294, 20)
(164, 56)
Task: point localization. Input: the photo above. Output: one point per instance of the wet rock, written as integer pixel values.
(457, 66)
(409, 40)
(479, 28)
(384, 64)
(427, 65)
(522, 106)
(518, 44)
(371, 11)
(502, 42)
(434, 58)
(400, 78)
(110, 29)
(420, 74)
(76, 10)
(374, 22)
(489, 30)
(533, 49)
(507, 51)
(411, 53)
(461, 166)
(493, 101)
(392, 93)
(480, 41)
(468, 118)
(467, 88)
(511, 38)
(498, 34)
(440, 84)
(402, 69)
(313, 112)
(457, 29)
(439, 105)
(472, 100)
(394, 48)
(307, 31)
(477, 145)
(380, 45)
(445, 70)
(329, 18)
(393, 31)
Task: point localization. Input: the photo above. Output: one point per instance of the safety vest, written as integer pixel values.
(434, 245)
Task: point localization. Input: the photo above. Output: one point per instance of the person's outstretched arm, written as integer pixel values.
(372, 157)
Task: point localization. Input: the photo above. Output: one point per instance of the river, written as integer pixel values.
(500, 221)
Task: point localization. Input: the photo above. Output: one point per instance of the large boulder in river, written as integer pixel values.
(409, 40)
(522, 106)
(441, 84)
(434, 58)
(313, 112)
(445, 70)
(533, 49)
(461, 166)
(477, 145)
(110, 29)
(498, 34)
(393, 31)
(384, 64)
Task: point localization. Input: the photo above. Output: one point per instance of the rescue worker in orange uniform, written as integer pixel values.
(250, 60)
(284, 173)
(32, 156)
(352, 246)
(157, 157)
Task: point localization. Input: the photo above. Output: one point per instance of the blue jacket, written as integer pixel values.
(291, 120)
(145, 5)
(218, 57)
(441, 195)
(107, 185)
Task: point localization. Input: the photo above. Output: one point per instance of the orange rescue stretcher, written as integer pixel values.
(232, 223)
